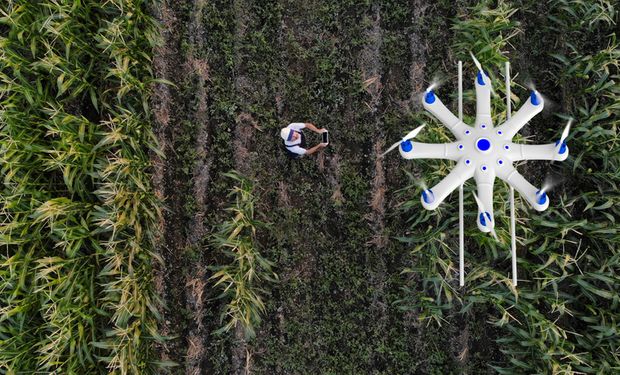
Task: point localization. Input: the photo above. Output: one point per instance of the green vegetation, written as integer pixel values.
(241, 279)
(78, 214)
(562, 318)
(367, 278)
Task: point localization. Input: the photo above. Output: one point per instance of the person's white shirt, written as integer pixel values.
(295, 148)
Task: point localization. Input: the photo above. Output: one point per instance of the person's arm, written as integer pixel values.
(311, 126)
(316, 148)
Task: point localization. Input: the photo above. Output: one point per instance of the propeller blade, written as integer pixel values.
(566, 130)
(391, 148)
(479, 203)
(484, 76)
(413, 133)
(562, 139)
(410, 135)
(494, 234)
(476, 62)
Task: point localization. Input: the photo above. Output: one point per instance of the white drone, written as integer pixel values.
(483, 152)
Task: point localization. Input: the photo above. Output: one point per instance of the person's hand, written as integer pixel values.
(323, 145)
(322, 130)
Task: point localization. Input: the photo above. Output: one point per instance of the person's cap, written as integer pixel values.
(286, 134)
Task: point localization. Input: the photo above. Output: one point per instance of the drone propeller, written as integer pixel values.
(550, 182)
(478, 65)
(561, 143)
(482, 73)
(483, 211)
(412, 134)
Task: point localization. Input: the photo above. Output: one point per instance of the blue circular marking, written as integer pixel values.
(480, 79)
(483, 126)
(562, 147)
(430, 97)
(467, 132)
(534, 98)
(460, 147)
(542, 198)
(483, 144)
(484, 168)
(406, 146)
(499, 132)
(484, 216)
(500, 162)
(467, 161)
(428, 196)
(506, 147)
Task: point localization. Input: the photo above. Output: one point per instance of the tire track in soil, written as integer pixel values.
(173, 186)
(243, 154)
(372, 77)
(164, 55)
(196, 280)
(241, 135)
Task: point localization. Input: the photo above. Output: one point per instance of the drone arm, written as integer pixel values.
(433, 104)
(430, 151)
(528, 110)
(527, 190)
(432, 198)
(538, 152)
(483, 99)
(485, 181)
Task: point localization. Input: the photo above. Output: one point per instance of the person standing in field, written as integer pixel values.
(295, 142)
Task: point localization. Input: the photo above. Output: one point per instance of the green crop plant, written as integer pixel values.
(242, 278)
(77, 211)
(486, 31)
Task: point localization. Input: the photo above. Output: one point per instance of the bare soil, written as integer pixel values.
(241, 71)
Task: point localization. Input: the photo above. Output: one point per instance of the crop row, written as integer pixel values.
(78, 215)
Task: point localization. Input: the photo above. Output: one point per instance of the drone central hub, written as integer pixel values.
(483, 145)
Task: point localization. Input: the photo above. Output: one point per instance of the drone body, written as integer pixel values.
(484, 152)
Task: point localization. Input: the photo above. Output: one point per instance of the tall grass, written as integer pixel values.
(241, 280)
(78, 214)
(563, 318)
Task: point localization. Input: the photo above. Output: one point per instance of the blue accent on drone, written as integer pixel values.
(483, 220)
(562, 148)
(483, 144)
(534, 98)
(428, 196)
(430, 97)
(480, 79)
(406, 146)
(542, 198)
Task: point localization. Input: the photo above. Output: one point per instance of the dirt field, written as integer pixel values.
(243, 70)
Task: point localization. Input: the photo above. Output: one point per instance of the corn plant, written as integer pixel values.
(77, 211)
(486, 30)
(241, 280)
